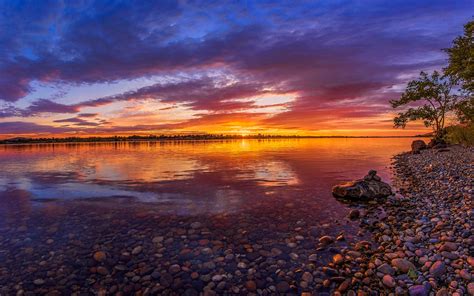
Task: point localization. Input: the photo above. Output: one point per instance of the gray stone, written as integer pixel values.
(367, 188)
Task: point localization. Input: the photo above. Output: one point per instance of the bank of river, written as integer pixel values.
(422, 240)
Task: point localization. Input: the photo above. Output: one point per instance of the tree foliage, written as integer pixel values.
(461, 59)
(431, 100)
(461, 70)
(465, 110)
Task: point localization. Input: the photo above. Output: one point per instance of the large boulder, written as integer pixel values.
(417, 146)
(368, 188)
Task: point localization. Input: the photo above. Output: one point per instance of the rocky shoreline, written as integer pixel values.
(416, 242)
(423, 242)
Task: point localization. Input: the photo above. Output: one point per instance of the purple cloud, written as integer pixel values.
(334, 56)
(20, 127)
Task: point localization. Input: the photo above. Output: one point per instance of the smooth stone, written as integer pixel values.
(282, 287)
(449, 246)
(465, 274)
(196, 225)
(438, 269)
(307, 277)
(166, 280)
(157, 239)
(344, 285)
(389, 281)
(418, 145)
(326, 240)
(137, 250)
(100, 256)
(386, 269)
(470, 289)
(418, 290)
(402, 265)
(442, 292)
(251, 286)
(102, 270)
(39, 282)
(470, 261)
(175, 268)
(368, 188)
(354, 214)
(313, 257)
(337, 259)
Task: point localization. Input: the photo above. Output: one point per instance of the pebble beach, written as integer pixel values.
(422, 239)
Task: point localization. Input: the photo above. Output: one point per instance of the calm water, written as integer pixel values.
(191, 178)
(250, 198)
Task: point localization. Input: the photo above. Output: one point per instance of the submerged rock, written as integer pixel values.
(368, 188)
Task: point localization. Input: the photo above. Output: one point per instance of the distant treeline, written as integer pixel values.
(21, 140)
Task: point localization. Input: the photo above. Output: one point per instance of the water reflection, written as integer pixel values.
(193, 177)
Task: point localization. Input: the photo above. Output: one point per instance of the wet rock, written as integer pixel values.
(363, 189)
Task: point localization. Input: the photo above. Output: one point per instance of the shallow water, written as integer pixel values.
(193, 177)
(60, 203)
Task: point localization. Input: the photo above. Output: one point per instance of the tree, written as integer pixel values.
(432, 98)
(465, 111)
(461, 70)
(461, 59)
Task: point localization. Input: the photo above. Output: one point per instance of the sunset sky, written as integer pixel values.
(153, 67)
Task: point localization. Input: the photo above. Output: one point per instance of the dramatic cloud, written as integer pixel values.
(337, 60)
(19, 127)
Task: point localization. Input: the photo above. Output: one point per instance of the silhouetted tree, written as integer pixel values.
(465, 110)
(461, 71)
(461, 59)
(431, 98)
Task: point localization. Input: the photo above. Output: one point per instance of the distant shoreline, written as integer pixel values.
(15, 141)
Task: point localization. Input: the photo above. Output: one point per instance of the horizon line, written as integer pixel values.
(115, 138)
